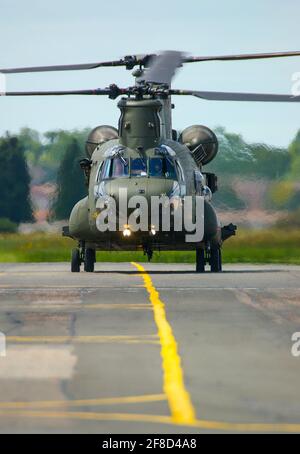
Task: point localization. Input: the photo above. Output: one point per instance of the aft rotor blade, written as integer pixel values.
(162, 68)
(242, 57)
(113, 92)
(55, 93)
(227, 96)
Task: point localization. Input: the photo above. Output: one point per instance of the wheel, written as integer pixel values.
(200, 261)
(215, 260)
(75, 261)
(89, 260)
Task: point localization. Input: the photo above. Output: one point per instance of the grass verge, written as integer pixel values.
(266, 246)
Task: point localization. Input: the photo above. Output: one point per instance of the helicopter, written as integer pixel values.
(148, 158)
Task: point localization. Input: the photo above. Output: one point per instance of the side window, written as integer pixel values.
(99, 172)
(170, 170)
(198, 180)
(180, 172)
(105, 172)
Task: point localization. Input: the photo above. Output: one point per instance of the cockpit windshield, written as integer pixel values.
(157, 167)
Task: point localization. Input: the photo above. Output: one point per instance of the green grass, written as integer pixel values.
(267, 246)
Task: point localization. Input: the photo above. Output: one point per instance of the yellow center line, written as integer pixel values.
(145, 339)
(85, 402)
(179, 400)
(156, 419)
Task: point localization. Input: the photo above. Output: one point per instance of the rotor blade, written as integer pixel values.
(113, 92)
(37, 69)
(162, 68)
(129, 61)
(227, 96)
(56, 93)
(242, 57)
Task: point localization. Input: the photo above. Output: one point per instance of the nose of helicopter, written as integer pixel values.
(143, 186)
(136, 194)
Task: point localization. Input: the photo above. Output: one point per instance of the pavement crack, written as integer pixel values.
(72, 329)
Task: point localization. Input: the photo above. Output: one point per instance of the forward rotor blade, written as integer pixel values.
(129, 61)
(242, 57)
(227, 96)
(162, 68)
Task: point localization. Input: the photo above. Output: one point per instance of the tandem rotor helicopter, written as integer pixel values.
(147, 157)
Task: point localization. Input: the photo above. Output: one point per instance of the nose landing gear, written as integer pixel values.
(148, 251)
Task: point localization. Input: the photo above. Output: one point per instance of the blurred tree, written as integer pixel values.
(55, 142)
(70, 182)
(236, 157)
(269, 162)
(280, 193)
(294, 151)
(285, 193)
(8, 226)
(14, 182)
(32, 145)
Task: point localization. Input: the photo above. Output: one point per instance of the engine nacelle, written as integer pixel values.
(98, 136)
(202, 143)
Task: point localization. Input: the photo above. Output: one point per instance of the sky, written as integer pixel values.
(39, 32)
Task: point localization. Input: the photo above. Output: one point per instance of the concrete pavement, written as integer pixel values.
(156, 348)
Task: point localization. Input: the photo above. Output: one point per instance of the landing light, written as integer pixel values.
(126, 232)
(153, 231)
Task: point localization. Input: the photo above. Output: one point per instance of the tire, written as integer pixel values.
(89, 260)
(200, 261)
(75, 261)
(215, 260)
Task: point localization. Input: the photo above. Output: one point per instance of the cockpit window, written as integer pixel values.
(120, 168)
(162, 168)
(138, 168)
(156, 167)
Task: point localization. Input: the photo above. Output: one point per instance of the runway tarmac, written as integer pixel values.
(149, 348)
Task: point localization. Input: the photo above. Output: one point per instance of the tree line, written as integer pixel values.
(30, 158)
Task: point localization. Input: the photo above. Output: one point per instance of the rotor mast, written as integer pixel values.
(157, 73)
(165, 113)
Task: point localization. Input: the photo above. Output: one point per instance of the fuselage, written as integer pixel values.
(165, 171)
